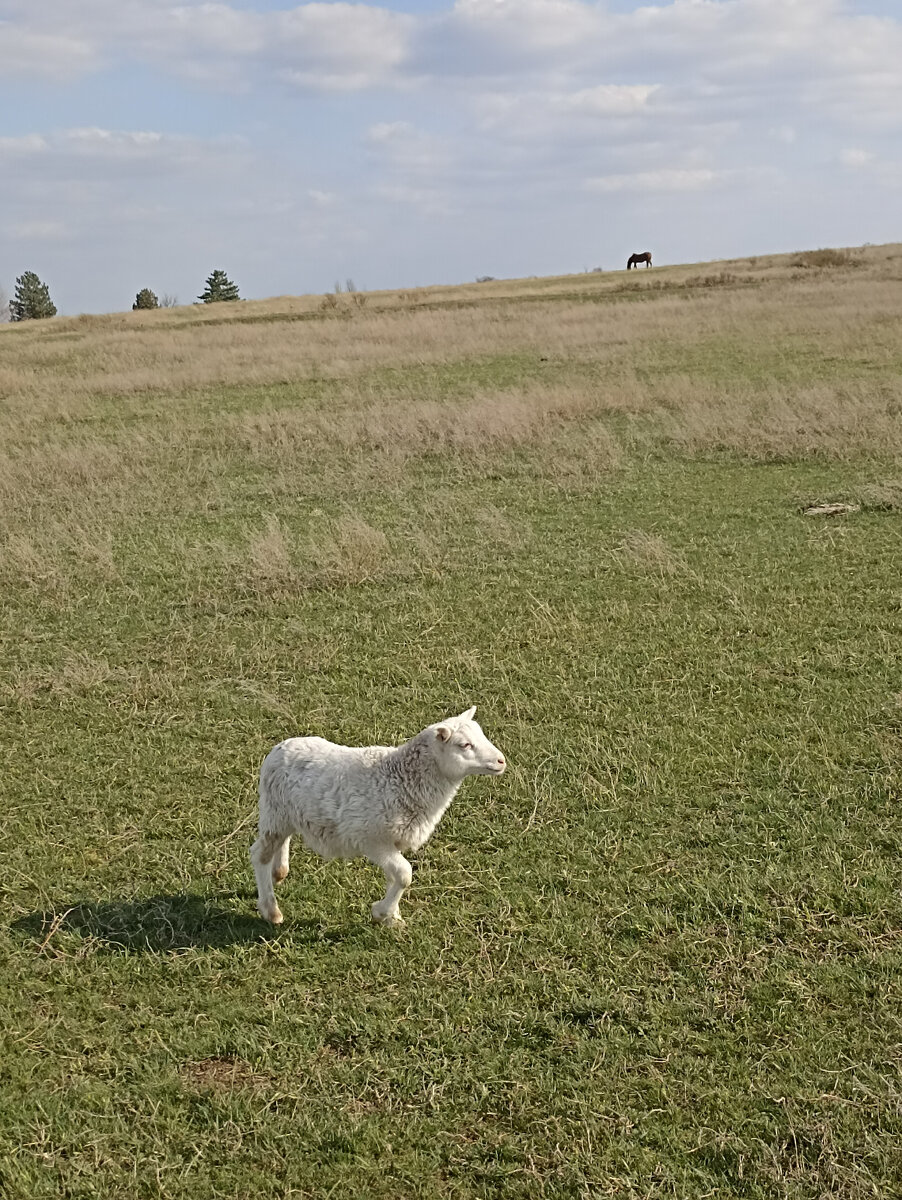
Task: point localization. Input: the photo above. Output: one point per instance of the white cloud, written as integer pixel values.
(92, 175)
(856, 158)
(389, 131)
(530, 26)
(607, 110)
(408, 148)
(30, 143)
(88, 155)
(28, 51)
(40, 230)
(93, 139)
(318, 45)
(340, 46)
(606, 100)
(807, 46)
(430, 201)
(321, 199)
(667, 180)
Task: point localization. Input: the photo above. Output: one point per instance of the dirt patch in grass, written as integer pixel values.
(222, 1073)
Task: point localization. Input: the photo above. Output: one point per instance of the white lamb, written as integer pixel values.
(372, 801)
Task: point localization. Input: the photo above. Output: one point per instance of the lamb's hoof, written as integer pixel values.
(391, 920)
(279, 873)
(273, 915)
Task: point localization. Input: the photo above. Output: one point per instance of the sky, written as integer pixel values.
(144, 143)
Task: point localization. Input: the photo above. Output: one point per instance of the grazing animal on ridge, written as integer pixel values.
(635, 259)
(369, 801)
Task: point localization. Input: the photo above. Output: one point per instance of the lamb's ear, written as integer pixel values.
(443, 733)
(468, 715)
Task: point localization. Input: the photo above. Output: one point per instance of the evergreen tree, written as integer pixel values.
(146, 299)
(219, 287)
(32, 299)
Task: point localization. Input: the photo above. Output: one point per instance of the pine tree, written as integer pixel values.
(32, 299)
(219, 287)
(146, 299)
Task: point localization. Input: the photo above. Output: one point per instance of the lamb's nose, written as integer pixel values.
(501, 761)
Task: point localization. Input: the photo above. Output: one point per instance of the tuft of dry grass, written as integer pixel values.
(882, 497)
(718, 279)
(639, 548)
(77, 673)
(269, 562)
(27, 560)
(773, 422)
(827, 258)
(471, 428)
(339, 551)
(346, 550)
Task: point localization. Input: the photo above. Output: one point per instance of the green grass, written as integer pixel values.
(660, 958)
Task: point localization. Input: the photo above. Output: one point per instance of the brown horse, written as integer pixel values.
(635, 259)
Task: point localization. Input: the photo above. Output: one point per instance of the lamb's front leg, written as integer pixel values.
(399, 874)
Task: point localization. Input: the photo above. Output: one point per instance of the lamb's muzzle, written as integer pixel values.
(373, 801)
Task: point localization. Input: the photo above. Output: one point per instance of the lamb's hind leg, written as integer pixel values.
(280, 861)
(262, 854)
(398, 873)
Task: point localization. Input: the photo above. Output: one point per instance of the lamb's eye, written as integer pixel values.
(466, 745)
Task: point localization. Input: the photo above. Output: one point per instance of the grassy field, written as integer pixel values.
(662, 957)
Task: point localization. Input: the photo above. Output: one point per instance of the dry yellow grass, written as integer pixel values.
(57, 366)
(109, 421)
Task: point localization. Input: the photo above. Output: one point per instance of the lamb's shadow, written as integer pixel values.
(158, 924)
